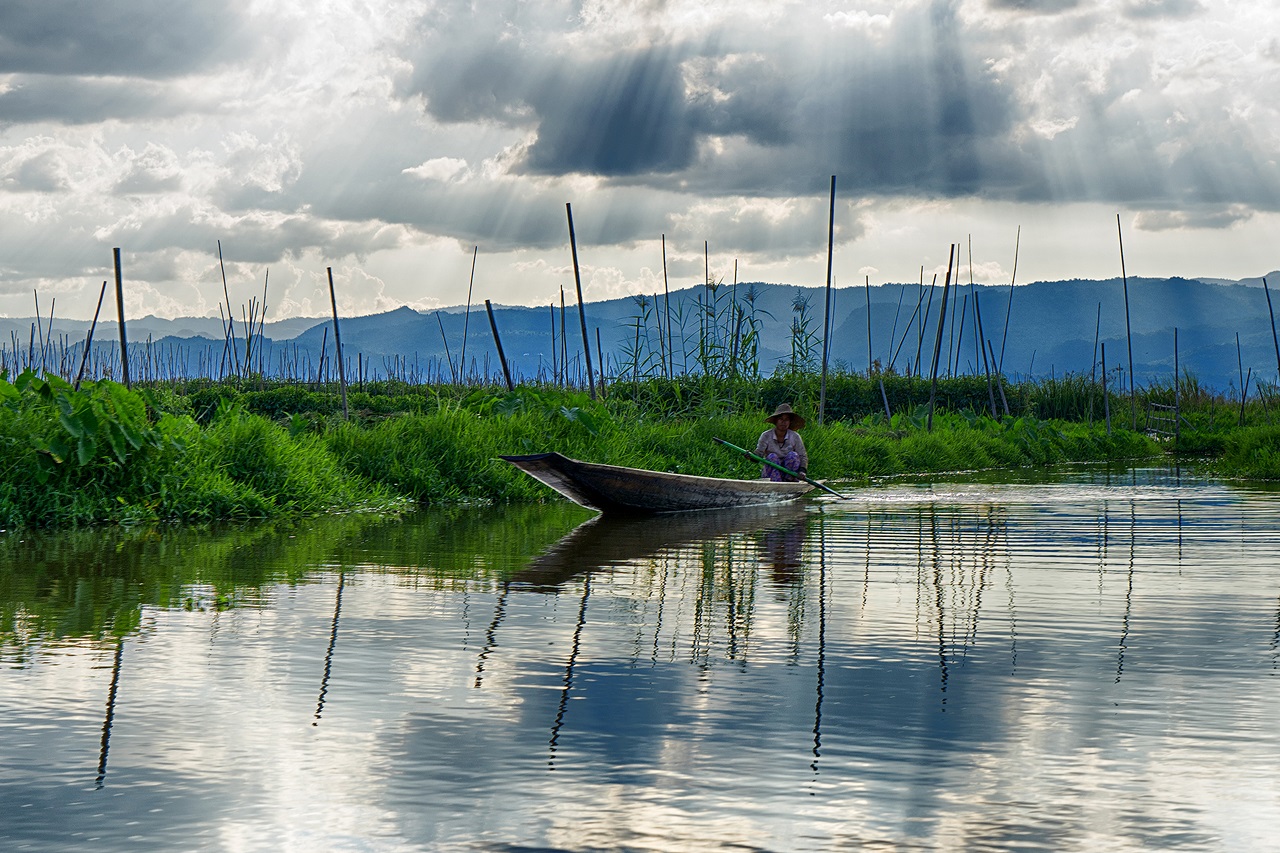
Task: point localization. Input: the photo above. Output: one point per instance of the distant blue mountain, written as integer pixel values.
(1052, 329)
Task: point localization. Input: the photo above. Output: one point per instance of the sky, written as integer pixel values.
(396, 141)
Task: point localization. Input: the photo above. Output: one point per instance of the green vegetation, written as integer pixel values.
(253, 449)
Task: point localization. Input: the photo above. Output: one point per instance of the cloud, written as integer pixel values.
(136, 38)
(1038, 7)
(1163, 8)
(1207, 217)
(442, 169)
(84, 100)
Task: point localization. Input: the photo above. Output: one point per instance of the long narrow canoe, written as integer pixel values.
(614, 489)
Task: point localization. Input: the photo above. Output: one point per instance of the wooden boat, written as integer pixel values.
(615, 489)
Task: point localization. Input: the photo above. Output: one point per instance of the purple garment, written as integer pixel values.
(791, 462)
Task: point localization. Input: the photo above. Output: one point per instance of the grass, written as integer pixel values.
(201, 451)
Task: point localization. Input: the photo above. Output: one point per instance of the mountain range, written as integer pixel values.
(1052, 328)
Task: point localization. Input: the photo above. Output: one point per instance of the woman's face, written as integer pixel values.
(783, 423)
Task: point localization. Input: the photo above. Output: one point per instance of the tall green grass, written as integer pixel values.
(106, 454)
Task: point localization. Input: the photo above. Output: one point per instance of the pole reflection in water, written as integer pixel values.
(333, 642)
(568, 673)
(111, 713)
(822, 644)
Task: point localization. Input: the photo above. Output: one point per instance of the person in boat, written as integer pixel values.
(782, 444)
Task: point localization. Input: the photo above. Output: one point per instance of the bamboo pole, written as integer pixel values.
(924, 319)
(235, 355)
(337, 347)
(1106, 399)
(1244, 385)
(826, 317)
(582, 311)
(466, 318)
(1017, 242)
(937, 343)
(600, 360)
(671, 359)
(893, 332)
(497, 340)
(1177, 395)
(1128, 333)
(124, 343)
(868, 283)
(1271, 314)
(453, 373)
(88, 341)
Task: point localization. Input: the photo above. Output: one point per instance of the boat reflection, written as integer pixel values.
(607, 541)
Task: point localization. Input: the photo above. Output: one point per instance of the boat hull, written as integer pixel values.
(615, 489)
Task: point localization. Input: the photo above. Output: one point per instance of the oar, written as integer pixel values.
(787, 471)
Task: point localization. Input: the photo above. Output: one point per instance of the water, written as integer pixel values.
(1084, 661)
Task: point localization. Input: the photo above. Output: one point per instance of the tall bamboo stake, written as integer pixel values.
(88, 341)
(826, 319)
(582, 311)
(937, 344)
(124, 343)
(235, 355)
(554, 354)
(502, 356)
(453, 373)
(337, 347)
(1272, 315)
(466, 318)
(893, 332)
(1128, 333)
(868, 285)
(1177, 396)
(671, 359)
(1106, 399)
(1009, 308)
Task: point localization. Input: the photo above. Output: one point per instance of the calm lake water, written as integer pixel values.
(1082, 662)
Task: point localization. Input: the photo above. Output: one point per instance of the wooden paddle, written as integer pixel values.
(787, 471)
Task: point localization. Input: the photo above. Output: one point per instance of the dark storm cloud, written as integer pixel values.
(132, 38)
(620, 116)
(84, 100)
(913, 111)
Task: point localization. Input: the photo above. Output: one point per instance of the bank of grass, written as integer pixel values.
(1251, 453)
(451, 454)
(104, 454)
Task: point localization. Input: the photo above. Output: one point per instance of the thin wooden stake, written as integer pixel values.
(1106, 399)
(124, 343)
(868, 282)
(1017, 242)
(1272, 315)
(826, 317)
(453, 373)
(671, 359)
(1128, 333)
(582, 311)
(337, 347)
(937, 343)
(88, 341)
(502, 356)
(466, 318)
